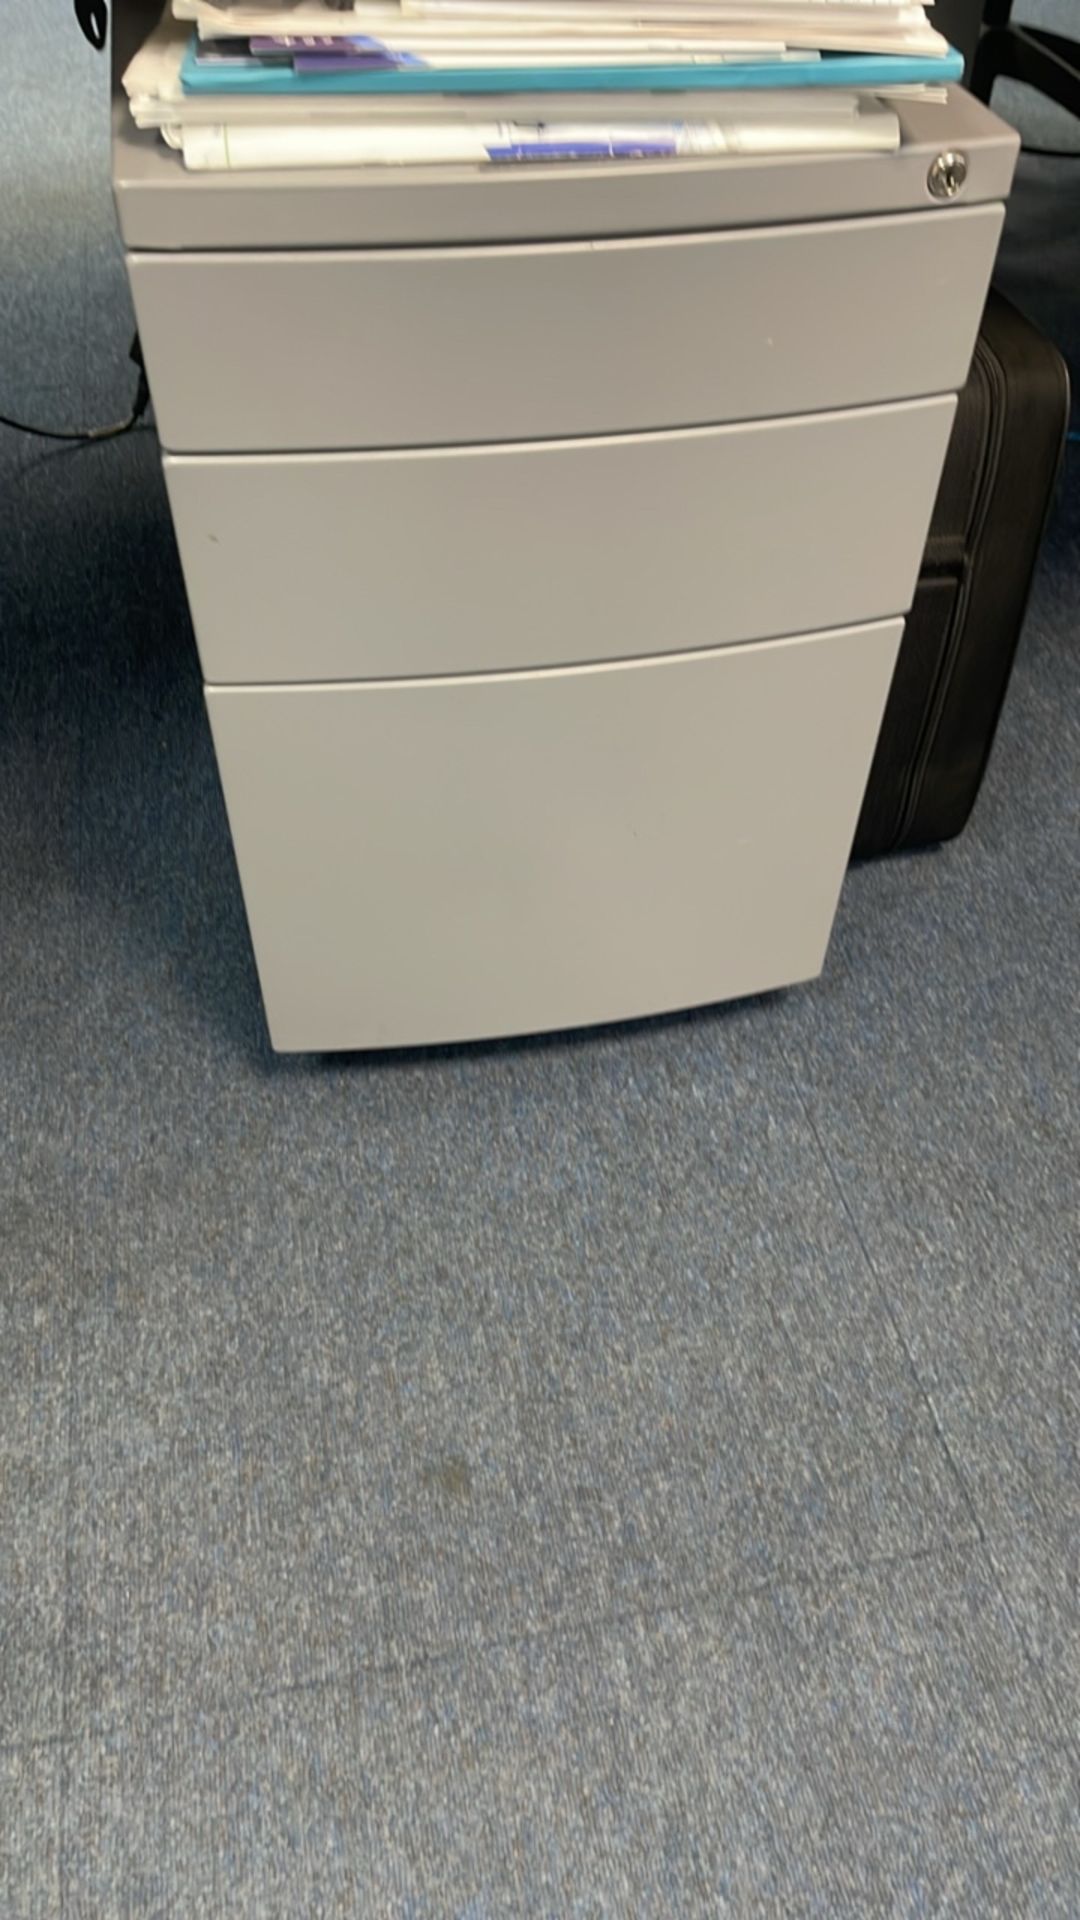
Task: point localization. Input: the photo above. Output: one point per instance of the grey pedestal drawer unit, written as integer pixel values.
(548, 537)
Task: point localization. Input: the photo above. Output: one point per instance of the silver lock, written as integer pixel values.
(947, 175)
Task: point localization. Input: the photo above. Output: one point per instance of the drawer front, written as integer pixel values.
(438, 860)
(422, 347)
(358, 566)
(162, 206)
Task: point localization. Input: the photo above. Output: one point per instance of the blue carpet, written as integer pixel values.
(623, 1474)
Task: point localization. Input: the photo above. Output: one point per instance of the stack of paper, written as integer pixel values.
(295, 83)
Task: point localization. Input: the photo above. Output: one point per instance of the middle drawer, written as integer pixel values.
(481, 559)
(443, 346)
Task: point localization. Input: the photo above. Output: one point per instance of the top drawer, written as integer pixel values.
(161, 205)
(289, 351)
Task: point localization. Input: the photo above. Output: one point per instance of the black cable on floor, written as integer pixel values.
(85, 435)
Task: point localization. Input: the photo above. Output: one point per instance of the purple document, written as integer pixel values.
(378, 60)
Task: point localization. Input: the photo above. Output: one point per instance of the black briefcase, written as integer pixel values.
(960, 637)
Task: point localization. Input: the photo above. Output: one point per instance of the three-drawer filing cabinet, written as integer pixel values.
(548, 536)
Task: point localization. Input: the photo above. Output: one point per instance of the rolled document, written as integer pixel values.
(246, 147)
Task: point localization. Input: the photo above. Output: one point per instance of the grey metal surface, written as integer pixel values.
(280, 351)
(162, 206)
(435, 860)
(485, 558)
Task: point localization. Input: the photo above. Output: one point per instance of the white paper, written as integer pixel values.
(879, 26)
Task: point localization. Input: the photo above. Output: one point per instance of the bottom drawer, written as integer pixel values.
(452, 859)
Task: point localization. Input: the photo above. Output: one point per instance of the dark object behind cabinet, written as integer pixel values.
(961, 634)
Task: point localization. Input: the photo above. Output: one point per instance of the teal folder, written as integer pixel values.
(866, 71)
